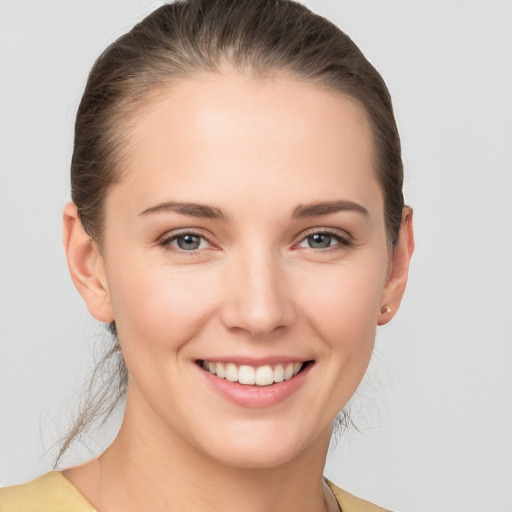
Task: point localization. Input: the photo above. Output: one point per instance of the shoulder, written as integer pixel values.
(350, 503)
(48, 493)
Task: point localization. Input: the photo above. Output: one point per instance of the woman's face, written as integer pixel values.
(246, 238)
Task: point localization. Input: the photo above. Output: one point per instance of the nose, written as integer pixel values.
(257, 295)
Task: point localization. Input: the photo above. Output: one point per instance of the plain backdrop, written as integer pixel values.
(435, 412)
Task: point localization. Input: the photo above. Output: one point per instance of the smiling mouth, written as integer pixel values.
(254, 376)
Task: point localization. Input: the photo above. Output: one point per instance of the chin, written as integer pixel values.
(258, 448)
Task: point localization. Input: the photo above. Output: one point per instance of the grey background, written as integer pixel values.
(435, 411)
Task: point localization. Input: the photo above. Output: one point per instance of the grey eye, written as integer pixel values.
(319, 241)
(188, 242)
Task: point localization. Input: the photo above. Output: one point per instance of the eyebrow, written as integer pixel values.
(190, 209)
(211, 212)
(325, 208)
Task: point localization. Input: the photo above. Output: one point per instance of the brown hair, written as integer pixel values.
(185, 38)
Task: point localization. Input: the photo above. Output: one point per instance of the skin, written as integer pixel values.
(257, 150)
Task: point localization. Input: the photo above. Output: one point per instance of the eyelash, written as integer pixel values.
(166, 242)
(341, 241)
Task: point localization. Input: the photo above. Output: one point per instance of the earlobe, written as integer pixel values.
(86, 266)
(397, 279)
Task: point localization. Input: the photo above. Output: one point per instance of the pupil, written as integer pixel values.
(188, 242)
(319, 241)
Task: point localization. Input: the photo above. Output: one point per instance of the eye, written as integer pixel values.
(323, 240)
(186, 242)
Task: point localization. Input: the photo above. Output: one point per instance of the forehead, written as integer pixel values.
(257, 135)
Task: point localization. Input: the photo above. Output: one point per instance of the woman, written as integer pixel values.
(238, 221)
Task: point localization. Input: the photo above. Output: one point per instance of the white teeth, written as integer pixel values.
(264, 376)
(249, 375)
(219, 370)
(231, 372)
(246, 375)
(279, 373)
(288, 371)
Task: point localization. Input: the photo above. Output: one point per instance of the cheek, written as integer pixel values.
(160, 306)
(342, 303)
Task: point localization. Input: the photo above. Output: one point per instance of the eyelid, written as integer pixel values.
(164, 241)
(344, 238)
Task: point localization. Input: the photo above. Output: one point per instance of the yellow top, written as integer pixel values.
(54, 493)
(48, 493)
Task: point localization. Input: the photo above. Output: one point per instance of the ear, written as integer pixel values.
(399, 268)
(86, 266)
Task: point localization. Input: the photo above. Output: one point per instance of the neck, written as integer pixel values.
(151, 468)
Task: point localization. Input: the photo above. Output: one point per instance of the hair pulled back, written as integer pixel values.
(183, 39)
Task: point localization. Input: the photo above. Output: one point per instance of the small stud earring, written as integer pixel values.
(385, 310)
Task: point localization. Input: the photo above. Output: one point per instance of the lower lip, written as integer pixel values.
(256, 396)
